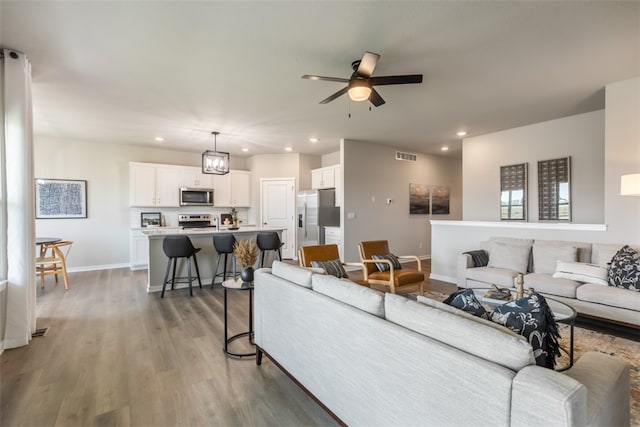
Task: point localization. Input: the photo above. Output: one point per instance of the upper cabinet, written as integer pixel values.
(192, 177)
(153, 185)
(327, 177)
(232, 189)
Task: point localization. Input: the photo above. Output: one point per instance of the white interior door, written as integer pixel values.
(277, 200)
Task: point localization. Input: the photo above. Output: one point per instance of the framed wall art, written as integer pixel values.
(419, 199)
(440, 200)
(61, 198)
(554, 189)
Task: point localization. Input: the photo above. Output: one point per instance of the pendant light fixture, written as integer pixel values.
(215, 162)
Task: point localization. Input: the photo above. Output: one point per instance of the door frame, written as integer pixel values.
(292, 207)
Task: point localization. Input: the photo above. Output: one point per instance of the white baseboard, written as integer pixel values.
(443, 278)
(97, 267)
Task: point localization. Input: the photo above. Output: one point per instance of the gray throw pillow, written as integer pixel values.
(333, 267)
(383, 266)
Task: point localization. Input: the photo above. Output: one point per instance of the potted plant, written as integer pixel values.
(246, 252)
(234, 217)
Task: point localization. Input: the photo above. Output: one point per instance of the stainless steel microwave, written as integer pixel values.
(196, 196)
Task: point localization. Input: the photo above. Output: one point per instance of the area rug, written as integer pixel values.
(586, 340)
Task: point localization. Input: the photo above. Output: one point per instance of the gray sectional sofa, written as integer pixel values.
(541, 260)
(375, 359)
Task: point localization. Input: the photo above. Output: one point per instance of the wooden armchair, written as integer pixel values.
(323, 253)
(392, 277)
(52, 260)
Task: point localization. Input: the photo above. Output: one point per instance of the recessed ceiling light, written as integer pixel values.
(444, 148)
(245, 149)
(288, 149)
(314, 140)
(462, 133)
(159, 139)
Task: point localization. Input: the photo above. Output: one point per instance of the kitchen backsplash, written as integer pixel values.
(170, 215)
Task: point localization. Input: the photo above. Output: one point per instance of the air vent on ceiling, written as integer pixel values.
(409, 157)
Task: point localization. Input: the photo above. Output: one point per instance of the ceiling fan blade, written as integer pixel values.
(329, 79)
(367, 64)
(335, 95)
(396, 80)
(375, 98)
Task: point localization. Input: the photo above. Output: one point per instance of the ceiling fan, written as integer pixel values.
(360, 84)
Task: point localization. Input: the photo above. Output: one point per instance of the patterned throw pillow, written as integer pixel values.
(465, 300)
(532, 318)
(480, 257)
(383, 266)
(624, 271)
(333, 267)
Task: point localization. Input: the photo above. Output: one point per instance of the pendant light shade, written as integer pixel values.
(215, 162)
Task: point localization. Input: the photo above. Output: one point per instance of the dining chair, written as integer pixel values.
(53, 261)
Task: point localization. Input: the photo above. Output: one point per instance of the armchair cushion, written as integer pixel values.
(402, 277)
(383, 266)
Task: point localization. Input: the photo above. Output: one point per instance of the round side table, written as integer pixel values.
(238, 285)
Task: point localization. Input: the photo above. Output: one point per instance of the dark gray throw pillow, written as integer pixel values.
(466, 300)
(532, 318)
(624, 269)
(383, 266)
(333, 267)
(480, 257)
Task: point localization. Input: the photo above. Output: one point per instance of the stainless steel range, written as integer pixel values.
(196, 221)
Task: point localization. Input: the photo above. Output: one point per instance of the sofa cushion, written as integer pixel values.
(498, 276)
(383, 266)
(510, 256)
(603, 253)
(449, 309)
(624, 271)
(480, 257)
(546, 257)
(365, 299)
(615, 297)
(464, 334)
(547, 284)
(298, 275)
(582, 272)
(333, 268)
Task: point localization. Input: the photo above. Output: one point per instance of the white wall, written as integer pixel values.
(102, 239)
(620, 216)
(372, 173)
(581, 137)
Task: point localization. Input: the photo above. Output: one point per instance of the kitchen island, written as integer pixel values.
(207, 257)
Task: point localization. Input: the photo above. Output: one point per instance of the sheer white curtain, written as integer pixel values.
(17, 243)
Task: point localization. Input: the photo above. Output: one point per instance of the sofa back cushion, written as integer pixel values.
(298, 275)
(603, 253)
(546, 256)
(467, 335)
(346, 291)
(509, 255)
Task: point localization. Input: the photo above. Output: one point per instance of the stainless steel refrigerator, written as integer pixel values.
(315, 209)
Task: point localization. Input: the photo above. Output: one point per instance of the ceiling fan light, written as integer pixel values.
(359, 90)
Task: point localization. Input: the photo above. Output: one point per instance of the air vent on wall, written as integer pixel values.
(409, 157)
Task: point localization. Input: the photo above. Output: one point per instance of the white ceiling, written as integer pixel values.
(125, 72)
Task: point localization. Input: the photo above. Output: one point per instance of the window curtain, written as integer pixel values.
(17, 237)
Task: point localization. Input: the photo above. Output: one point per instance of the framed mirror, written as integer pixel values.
(554, 189)
(513, 192)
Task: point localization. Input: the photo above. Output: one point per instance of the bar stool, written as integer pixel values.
(224, 244)
(268, 241)
(175, 247)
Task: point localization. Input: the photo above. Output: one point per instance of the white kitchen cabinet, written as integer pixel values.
(327, 177)
(323, 178)
(138, 250)
(333, 235)
(232, 189)
(153, 184)
(192, 177)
